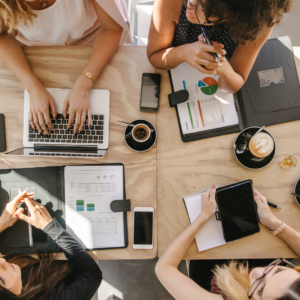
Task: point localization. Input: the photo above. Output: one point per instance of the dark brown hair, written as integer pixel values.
(245, 19)
(44, 273)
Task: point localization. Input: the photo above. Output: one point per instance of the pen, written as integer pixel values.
(297, 195)
(207, 41)
(273, 205)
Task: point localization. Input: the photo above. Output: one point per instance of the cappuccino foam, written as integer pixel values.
(261, 145)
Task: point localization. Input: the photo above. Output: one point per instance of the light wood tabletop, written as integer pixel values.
(187, 168)
(59, 67)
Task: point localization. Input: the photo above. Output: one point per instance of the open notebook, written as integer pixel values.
(211, 234)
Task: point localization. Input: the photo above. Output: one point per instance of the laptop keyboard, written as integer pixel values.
(92, 135)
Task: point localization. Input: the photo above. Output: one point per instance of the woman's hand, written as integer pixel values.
(8, 217)
(39, 216)
(198, 55)
(78, 102)
(39, 117)
(208, 203)
(265, 215)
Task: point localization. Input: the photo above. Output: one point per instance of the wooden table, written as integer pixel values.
(187, 168)
(58, 67)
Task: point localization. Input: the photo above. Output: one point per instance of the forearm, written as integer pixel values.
(176, 251)
(104, 47)
(13, 56)
(289, 235)
(175, 57)
(229, 80)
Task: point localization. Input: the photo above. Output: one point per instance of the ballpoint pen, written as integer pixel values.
(273, 205)
(207, 41)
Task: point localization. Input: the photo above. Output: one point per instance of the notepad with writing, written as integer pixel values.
(211, 234)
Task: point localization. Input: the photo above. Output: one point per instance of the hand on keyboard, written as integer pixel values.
(78, 102)
(39, 116)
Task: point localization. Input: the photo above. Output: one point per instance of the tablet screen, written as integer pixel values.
(238, 211)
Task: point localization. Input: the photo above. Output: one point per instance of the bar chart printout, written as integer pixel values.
(90, 207)
(208, 107)
(89, 190)
(80, 205)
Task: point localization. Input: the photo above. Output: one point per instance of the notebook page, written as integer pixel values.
(208, 107)
(89, 191)
(210, 235)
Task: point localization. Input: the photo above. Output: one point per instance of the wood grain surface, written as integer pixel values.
(59, 67)
(187, 168)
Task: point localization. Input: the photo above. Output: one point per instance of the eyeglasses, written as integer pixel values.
(267, 270)
(207, 21)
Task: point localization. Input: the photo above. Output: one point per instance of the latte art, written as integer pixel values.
(261, 145)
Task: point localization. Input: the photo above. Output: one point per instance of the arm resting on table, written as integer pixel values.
(89, 276)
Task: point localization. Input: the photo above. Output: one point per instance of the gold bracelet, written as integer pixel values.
(279, 229)
(166, 62)
(88, 75)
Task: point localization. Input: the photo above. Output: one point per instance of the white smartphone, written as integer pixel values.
(143, 219)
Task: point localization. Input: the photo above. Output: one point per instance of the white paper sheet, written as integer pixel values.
(207, 107)
(211, 234)
(89, 191)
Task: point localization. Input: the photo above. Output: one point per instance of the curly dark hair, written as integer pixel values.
(245, 19)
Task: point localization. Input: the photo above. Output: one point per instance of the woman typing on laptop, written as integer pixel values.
(202, 32)
(99, 23)
(235, 281)
(25, 277)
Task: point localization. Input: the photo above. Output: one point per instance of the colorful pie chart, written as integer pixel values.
(208, 85)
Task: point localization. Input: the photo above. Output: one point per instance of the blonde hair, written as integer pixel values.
(13, 10)
(233, 280)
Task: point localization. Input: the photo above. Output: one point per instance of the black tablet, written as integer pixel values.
(237, 210)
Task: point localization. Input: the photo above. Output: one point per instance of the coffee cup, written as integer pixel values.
(140, 135)
(261, 145)
(254, 151)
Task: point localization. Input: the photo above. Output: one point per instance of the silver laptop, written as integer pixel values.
(91, 142)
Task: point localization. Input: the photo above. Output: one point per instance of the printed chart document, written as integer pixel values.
(208, 107)
(89, 190)
(211, 234)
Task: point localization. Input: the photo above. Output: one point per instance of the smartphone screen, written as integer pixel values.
(238, 211)
(150, 92)
(143, 228)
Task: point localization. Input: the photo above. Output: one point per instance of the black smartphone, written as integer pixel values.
(2, 134)
(143, 227)
(150, 92)
(237, 210)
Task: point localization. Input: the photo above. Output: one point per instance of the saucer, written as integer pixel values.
(140, 147)
(246, 161)
(297, 191)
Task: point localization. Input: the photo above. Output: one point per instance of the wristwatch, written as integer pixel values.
(88, 75)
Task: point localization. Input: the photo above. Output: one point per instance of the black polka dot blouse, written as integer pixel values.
(187, 32)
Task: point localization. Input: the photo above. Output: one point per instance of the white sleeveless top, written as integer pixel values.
(70, 22)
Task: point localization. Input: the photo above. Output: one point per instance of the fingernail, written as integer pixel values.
(255, 193)
(213, 186)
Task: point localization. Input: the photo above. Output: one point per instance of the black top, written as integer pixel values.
(187, 32)
(87, 278)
